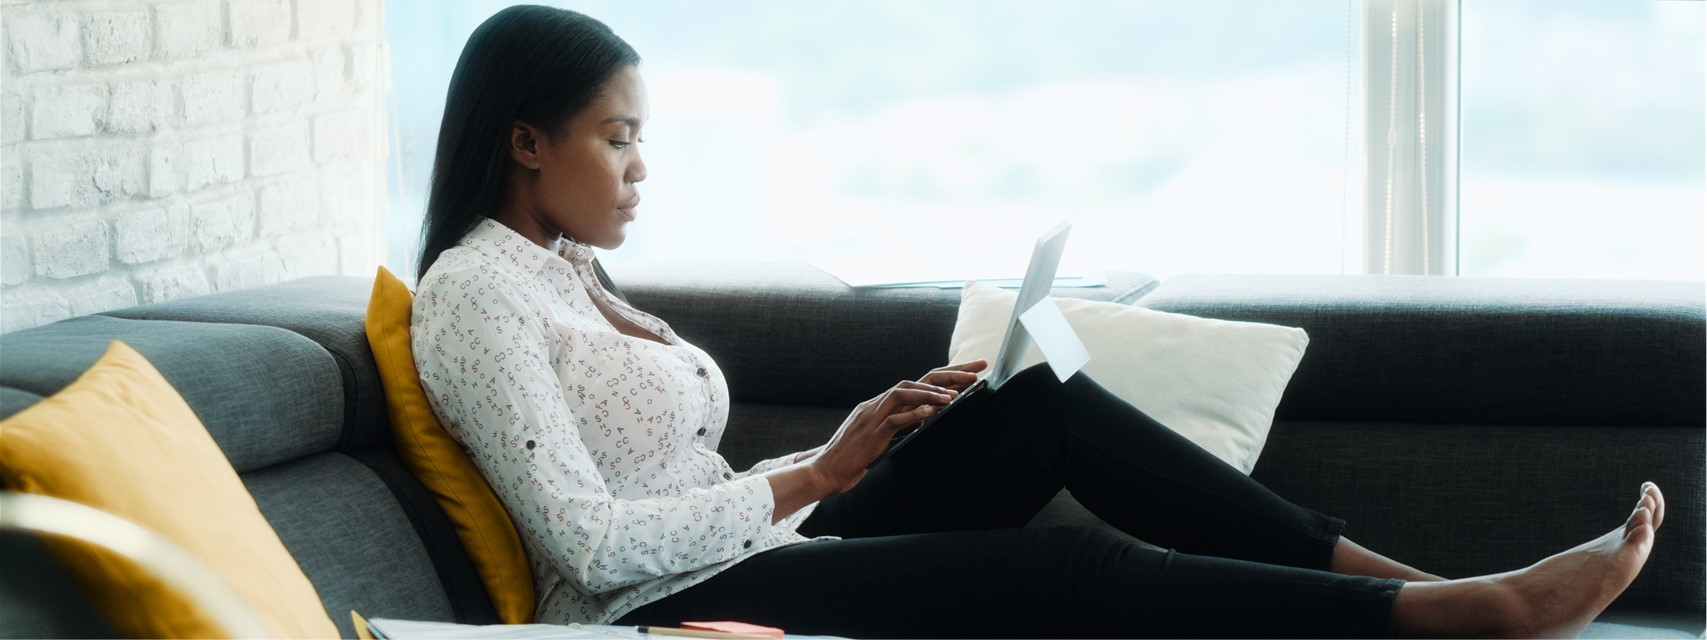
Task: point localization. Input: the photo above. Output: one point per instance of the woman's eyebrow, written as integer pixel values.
(631, 121)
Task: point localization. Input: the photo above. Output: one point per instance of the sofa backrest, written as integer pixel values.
(284, 381)
(1474, 350)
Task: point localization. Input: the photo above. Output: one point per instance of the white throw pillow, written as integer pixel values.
(1216, 382)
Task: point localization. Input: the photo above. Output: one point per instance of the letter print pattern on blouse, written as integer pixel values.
(602, 446)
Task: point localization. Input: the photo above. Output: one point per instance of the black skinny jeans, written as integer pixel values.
(933, 547)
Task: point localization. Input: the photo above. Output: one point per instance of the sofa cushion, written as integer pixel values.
(325, 309)
(265, 394)
(15, 400)
(357, 541)
(120, 439)
(1475, 350)
(789, 333)
(429, 452)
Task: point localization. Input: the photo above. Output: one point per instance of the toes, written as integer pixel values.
(1656, 502)
(1639, 530)
(1641, 518)
(1660, 510)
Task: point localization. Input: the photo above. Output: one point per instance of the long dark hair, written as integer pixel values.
(539, 65)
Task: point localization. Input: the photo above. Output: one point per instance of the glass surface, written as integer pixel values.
(1583, 140)
(944, 136)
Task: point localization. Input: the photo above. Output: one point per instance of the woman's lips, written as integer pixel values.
(627, 209)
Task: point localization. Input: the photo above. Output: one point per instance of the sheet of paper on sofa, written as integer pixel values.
(1053, 336)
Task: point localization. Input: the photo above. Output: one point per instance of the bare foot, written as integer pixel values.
(1559, 596)
(1554, 598)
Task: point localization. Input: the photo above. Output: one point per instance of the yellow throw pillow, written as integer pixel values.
(428, 450)
(121, 439)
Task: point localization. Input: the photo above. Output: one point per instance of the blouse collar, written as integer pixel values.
(494, 239)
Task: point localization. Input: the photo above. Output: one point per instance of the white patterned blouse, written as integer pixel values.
(601, 446)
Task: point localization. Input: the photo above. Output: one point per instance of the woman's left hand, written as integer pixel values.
(955, 376)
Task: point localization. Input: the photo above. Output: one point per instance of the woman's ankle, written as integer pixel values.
(1352, 559)
(1469, 608)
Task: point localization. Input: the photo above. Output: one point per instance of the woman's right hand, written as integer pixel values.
(866, 433)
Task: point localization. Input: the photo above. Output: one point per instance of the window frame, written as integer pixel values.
(1402, 235)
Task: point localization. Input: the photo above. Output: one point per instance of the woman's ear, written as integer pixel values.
(524, 144)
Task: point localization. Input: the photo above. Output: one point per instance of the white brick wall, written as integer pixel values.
(158, 149)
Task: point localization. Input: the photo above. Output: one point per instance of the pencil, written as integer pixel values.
(696, 633)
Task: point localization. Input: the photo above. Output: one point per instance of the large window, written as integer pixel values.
(1583, 141)
(936, 138)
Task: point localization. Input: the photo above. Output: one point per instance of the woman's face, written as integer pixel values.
(582, 185)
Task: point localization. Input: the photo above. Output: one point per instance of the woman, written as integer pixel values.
(591, 421)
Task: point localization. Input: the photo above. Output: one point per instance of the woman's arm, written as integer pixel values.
(795, 486)
(763, 467)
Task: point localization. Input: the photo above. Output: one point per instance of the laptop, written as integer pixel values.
(1039, 279)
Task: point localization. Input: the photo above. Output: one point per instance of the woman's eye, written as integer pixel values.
(619, 144)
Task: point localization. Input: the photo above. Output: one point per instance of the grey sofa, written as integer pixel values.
(1464, 426)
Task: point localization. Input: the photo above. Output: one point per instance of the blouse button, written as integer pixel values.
(747, 544)
(701, 372)
(728, 476)
(702, 431)
(530, 444)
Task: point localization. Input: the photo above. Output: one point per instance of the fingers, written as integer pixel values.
(973, 366)
(910, 385)
(956, 380)
(921, 385)
(910, 394)
(904, 419)
(956, 376)
(905, 398)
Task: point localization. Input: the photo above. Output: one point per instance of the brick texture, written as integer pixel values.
(68, 111)
(116, 37)
(160, 149)
(43, 41)
(140, 106)
(186, 30)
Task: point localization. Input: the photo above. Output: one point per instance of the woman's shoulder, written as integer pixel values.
(461, 272)
(460, 267)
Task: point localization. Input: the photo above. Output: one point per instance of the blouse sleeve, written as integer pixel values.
(764, 466)
(489, 367)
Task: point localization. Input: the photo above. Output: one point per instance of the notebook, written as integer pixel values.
(1039, 278)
